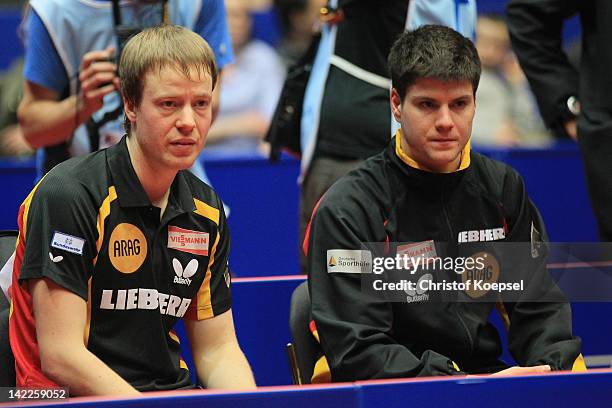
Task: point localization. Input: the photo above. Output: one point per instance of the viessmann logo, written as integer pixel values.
(193, 242)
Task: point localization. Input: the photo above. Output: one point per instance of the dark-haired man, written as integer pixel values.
(429, 196)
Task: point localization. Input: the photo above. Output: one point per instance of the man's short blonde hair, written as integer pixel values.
(156, 48)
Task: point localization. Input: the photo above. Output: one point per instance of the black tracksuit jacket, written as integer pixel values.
(385, 200)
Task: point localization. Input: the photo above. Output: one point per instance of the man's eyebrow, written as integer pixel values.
(423, 97)
(178, 95)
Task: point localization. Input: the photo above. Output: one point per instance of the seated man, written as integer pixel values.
(429, 190)
(115, 247)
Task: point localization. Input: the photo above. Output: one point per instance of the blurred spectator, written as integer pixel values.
(299, 21)
(575, 103)
(70, 105)
(249, 88)
(12, 142)
(507, 114)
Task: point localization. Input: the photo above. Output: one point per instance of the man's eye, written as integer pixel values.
(168, 104)
(426, 105)
(461, 104)
(201, 104)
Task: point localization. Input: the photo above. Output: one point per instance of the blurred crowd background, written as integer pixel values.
(270, 35)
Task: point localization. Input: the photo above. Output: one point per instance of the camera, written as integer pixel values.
(124, 33)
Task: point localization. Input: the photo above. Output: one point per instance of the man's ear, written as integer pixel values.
(396, 105)
(130, 110)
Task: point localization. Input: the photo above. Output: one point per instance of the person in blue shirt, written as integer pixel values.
(70, 105)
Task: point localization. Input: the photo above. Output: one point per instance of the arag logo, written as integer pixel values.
(183, 275)
(127, 248)
(479, 278)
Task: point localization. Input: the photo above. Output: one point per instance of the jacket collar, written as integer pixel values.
(465, 155)
(415, 175)
(130, 192)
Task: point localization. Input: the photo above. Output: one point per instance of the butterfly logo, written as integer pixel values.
(183, 275)
(55, 259)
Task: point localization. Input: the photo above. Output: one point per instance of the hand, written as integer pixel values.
(12, 142)
(570, 128)
(98, 77)
(522, 371)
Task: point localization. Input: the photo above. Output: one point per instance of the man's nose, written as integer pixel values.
(186, 120)
(444, 120)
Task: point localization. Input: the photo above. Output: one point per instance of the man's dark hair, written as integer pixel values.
(432, 51)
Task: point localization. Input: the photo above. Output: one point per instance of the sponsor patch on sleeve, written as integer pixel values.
(68, 243)
(349, 261)
(536, 242)
(194, 242)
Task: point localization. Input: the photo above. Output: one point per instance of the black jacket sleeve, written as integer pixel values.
(535, 28)
(540, 330)
(355, 327)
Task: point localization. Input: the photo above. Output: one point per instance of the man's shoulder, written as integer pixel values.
(202, 192)
(496, 177)
(77, 177)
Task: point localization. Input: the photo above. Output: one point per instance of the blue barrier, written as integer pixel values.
(560, 389)
(11, 45)
(556, 183)
(261, 317)
(263, 200)
(17, 180)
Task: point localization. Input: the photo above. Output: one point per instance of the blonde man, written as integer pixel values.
(117, 246)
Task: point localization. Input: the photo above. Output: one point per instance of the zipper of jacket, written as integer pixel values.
(452, 235)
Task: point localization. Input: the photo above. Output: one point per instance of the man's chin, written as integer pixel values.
(183, 163)
(445, 161)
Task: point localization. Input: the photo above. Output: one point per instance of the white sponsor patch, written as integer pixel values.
(194, 242)
(492, 234)
(67, 243)
(536, 242)
(349, 261)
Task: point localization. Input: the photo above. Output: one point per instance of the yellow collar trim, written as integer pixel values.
(465, 155)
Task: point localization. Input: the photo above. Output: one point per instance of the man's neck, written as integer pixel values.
(155, 182)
